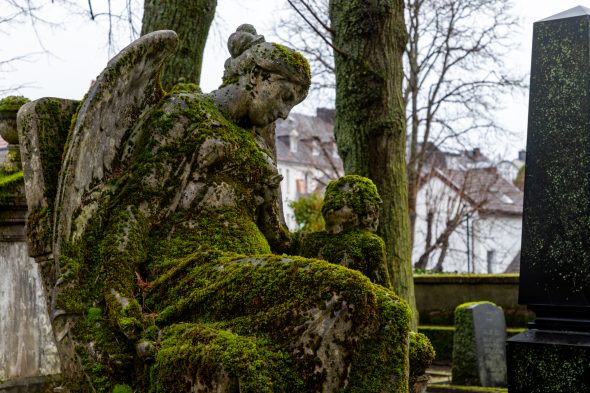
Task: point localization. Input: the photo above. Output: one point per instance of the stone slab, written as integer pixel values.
(479, 354)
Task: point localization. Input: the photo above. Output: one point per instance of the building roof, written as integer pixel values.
(484, 189)
(308, 141)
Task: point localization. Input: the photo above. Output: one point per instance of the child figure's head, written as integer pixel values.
(351, 202)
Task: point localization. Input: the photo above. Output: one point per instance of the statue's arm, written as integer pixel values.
(271, 223)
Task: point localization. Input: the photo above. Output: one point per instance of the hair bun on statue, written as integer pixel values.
(249, 50)
(244, 37)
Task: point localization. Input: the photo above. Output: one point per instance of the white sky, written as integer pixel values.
(78, 53)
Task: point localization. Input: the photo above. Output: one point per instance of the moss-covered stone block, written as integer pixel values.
(479, 355)
(44, 125)
(421, 356)
(356, 249)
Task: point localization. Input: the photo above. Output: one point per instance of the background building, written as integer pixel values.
(307, 156)
(468, 216)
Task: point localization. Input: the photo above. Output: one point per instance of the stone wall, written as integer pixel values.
(437, 295)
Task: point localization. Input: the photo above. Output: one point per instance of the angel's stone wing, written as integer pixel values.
(127, 88)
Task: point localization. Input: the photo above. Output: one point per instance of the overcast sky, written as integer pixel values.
(76, 52)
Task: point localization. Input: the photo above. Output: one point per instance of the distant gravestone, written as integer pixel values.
(479, 353)
(553, 355)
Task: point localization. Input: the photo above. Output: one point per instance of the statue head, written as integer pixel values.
(351, 202)
(262, 81)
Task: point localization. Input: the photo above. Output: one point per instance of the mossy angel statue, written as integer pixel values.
(162, 248)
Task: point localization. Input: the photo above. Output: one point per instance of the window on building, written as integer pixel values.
(491, 259)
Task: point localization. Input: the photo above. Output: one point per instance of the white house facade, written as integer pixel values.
(467, 221)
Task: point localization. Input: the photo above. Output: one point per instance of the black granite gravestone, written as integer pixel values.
(553, 355)
(479, 353)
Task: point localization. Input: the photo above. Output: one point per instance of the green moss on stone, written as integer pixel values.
(249, 364)
(185, 88)
(12, 103)
(11, 188)
(421, 356)
(293, 58)
(464, 346)
(201, 283)
(356, 192)
(282, 286)
(122, 389)
(230, 80)
(356, 249)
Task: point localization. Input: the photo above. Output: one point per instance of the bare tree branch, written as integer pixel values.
(313, 27)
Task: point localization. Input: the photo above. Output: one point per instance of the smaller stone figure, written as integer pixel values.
(351, 211)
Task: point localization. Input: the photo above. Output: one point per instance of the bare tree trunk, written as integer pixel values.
(369, 41)
(191, 20)
(413, 90)
(428, 246)
(441, 258)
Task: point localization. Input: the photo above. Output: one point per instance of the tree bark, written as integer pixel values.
(191, 20)
(369, 39)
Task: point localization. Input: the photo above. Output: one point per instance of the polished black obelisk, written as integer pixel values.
(553, 355)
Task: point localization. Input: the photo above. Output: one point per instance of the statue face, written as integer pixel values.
(272, 97)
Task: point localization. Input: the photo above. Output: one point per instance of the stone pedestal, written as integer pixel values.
(29, 361)
(544, 361)
(554, 354)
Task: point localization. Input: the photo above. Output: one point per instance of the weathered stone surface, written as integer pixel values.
(479, 354)
(43, 129)
(122, 93)
(351, 212)
(165, 280)
(27, 348)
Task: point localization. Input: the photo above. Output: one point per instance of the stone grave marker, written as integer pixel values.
(553, 355)
(479, 353)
